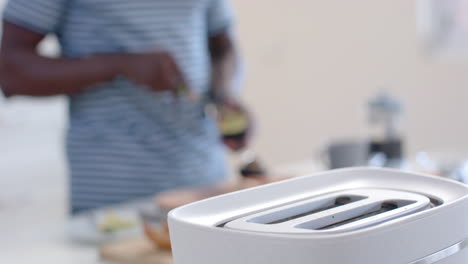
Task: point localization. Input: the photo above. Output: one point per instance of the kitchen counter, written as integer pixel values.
(33, 198)
(33, 228)
(33, 195)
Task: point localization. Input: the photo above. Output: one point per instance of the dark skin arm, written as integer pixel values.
(24, 72)
(224, 66)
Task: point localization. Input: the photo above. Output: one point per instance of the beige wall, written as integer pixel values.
(312, 64)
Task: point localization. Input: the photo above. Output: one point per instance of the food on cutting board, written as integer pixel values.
(111, 222)
(159, 233)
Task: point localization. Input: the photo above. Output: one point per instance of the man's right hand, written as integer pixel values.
(158, 71)
(25, 72)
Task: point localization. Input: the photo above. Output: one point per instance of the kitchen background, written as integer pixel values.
(311, 68)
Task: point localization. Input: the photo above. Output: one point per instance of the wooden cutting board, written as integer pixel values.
(136, 251)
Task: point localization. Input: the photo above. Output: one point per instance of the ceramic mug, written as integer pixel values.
(343, 154)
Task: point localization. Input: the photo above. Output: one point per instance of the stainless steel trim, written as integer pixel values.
(445, 253)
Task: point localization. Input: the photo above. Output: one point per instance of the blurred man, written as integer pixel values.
(123, 62)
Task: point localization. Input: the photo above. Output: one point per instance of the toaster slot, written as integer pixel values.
(340, 201)
(385, 207)
(343, 211)
(365, 215)
(306, 209)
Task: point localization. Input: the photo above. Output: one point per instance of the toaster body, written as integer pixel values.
(361, 216)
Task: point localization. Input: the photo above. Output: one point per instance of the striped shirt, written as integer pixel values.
(124, 141)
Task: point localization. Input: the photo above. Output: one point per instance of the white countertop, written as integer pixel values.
(33, 180)
(33, 195)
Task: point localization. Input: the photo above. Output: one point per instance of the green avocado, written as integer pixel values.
(233, 123)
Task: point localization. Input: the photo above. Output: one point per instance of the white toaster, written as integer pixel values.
(358, 216)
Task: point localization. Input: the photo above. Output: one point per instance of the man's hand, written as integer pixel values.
(232, 113)
(24, 72)
(158, 71)
(241, 123)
